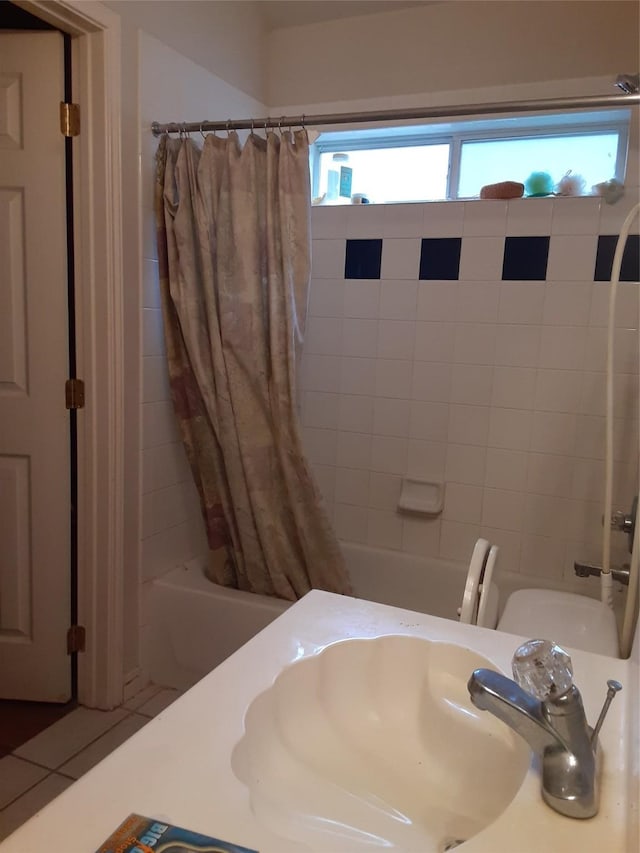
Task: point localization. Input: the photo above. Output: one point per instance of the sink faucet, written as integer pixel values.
(550, 716)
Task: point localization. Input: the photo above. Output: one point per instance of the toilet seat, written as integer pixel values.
(480, 599)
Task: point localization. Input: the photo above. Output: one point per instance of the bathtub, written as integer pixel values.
(196, 624)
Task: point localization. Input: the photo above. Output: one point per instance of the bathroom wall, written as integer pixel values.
(464, 343)
(226, 39)
(171, 88)
(450, 46)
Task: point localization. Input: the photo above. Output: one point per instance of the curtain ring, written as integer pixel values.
(280, 125)
(203, 135)
(266, 121)
(228, 127)
(252, 127)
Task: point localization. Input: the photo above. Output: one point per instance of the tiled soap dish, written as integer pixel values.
(421, 496)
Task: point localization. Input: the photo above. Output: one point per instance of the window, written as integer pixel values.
(455, 159)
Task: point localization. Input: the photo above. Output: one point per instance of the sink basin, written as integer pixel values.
(375, 743)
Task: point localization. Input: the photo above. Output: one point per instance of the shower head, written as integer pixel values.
(629, 83)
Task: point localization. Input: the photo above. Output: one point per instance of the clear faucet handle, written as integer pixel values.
(543, 669)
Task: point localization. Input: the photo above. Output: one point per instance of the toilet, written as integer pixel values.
(567, 618)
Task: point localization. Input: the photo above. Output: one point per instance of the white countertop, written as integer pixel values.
(177, 769)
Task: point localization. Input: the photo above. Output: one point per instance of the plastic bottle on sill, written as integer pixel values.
(345, 175)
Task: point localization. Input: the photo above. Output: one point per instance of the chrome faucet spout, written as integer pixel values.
(493, 692)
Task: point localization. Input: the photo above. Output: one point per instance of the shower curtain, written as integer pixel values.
(234, 251)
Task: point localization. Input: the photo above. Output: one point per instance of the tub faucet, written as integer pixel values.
(550, 716)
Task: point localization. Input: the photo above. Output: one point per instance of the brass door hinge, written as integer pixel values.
(74, 394)
(76, 637)
(69, 119)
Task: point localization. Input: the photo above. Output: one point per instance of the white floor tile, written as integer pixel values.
(159, 702)
(16, 777)
(63, 739)
(99, 749)
(28, 804)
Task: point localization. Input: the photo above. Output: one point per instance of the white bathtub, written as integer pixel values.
(196, 624)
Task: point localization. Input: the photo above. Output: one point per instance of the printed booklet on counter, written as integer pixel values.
(138, 834)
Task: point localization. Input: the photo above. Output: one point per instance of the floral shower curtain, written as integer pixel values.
(234, 250)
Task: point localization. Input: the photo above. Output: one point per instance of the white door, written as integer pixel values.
(34, 424)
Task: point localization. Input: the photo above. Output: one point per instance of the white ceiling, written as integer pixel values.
(291, 13)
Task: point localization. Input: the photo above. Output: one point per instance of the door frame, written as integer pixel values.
(96, 46)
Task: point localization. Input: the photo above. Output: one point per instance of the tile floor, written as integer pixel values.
(32, 774)
(20, 721)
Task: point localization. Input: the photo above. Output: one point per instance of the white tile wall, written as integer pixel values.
(384, 529)
(361, 298)
(444, 220)
(517, 345)
(521, 302)
(468, 424)
(429, 420)
(481, 258)
(435, 341)
(384, 490)
(398, 299)
(478, 302)
(576, 216)
(485, 218)
(389, 454)
(355, 413)
(403, 220)
(529, 217)
(172, 526)
(437, 301)
(421, 536)
(320, 410)
(400, 258)
(391, 416)
(571, 258)
(327, 298)
(365, 221)
(494, 387)
(396, 339)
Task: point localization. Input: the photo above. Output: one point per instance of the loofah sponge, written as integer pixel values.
(571, 184)
(539, 184)
(505, 189)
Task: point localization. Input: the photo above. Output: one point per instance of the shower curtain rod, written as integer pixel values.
(576, 103)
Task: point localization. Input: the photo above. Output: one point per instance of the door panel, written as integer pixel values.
(34, 424)
(13, 355)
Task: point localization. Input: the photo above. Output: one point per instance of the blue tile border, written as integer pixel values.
(630, 267)
(363, 258)
(525, 258)
(440, 258)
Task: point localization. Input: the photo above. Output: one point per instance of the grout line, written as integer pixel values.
(129, 713)
(73, 755)
(56, 771)
(30, 788)
(91, 742)
(30, 761)
(66, 775)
